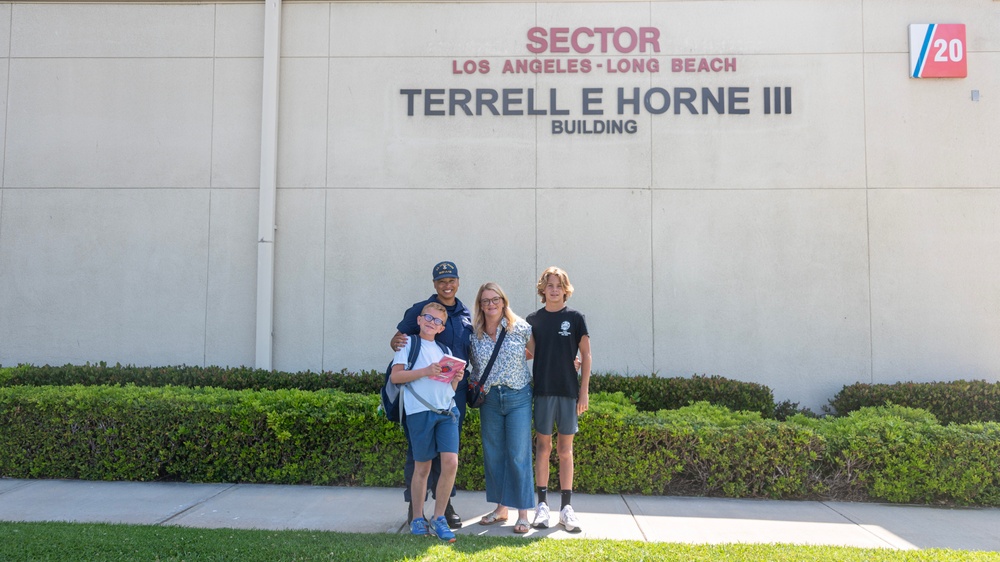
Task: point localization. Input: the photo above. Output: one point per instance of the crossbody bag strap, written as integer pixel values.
(447, 412)
(496, 350)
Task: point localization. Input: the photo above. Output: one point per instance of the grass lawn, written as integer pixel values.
(68, 541)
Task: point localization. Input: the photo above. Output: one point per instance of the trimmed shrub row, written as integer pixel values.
(951, 402)
(196, 435)
(650, 393)
(901, 454)
(232, 378)
(328, 437)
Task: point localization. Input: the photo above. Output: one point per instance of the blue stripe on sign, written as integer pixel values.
(923, 51)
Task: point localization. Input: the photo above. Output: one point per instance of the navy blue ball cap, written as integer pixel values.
(445, 270)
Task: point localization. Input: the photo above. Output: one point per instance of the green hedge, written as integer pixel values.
(900, 454)
(650, 393)
(327, 437)
(951, 402)
(196, 435)
(232, 378)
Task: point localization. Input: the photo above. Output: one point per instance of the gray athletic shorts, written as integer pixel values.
(556, 411)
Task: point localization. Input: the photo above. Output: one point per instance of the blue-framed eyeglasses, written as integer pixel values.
(436, 321)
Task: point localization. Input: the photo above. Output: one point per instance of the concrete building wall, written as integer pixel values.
(853, 239)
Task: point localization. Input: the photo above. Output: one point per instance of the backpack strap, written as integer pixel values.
(444, 348)
(412, 358)
(414, 352)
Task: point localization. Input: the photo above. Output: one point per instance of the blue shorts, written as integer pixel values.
(552, 411)
(432, 433)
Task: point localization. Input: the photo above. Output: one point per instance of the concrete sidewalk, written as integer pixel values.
(641, 518)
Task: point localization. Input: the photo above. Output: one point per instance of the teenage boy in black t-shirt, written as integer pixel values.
(559, 333)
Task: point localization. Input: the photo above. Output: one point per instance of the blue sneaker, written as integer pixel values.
(419, 527)
(441, 529)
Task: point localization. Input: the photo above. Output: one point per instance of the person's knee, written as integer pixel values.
(421, 469)
(543, 451)
(565, 448)
(449, 463)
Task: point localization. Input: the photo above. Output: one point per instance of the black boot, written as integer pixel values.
(454, 521)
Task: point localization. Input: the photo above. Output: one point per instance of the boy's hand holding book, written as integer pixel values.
(449, 368)
(433, 371)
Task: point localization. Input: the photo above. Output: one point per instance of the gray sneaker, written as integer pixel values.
(541, 520)
(567, 518)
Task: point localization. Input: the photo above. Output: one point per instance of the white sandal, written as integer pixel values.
(493, 518)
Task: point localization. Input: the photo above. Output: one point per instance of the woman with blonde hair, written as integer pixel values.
(505, 416)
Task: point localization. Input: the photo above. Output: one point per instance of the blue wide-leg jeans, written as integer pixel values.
(505, 419)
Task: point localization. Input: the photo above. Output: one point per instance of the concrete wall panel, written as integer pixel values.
(930, 133)
(735, 245)
(239, 30)
(10, 323)
(112, 30)
(935, 284)
(4, 75)
(104, 275)
(886, 23)
(602, 238)
(109, 123)
(236, 118)
(759, 27)
(758, 150)
(305, 30)
(591, 14)
(381, 247)
(432, 30)
(593, 160)
(302, 122)
(374, 144)
(5, 13)
(299, 278)
(232, 278)
(765, 286)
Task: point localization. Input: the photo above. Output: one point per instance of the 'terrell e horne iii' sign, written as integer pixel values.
(595, 51)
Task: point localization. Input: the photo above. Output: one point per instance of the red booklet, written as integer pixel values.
(450, 366)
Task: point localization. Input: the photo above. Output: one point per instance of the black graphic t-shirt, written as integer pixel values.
(557, 340)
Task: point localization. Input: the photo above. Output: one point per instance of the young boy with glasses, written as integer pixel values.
(559, 333)
(432, 421)
(456, 335)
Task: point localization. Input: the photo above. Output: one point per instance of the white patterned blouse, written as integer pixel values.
(511, 367)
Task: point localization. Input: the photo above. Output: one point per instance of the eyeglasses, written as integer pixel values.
(429, 318)
(494, 300)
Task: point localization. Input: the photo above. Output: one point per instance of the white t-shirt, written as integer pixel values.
(436, 393)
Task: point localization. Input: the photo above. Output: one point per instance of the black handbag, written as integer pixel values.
(475, 394)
